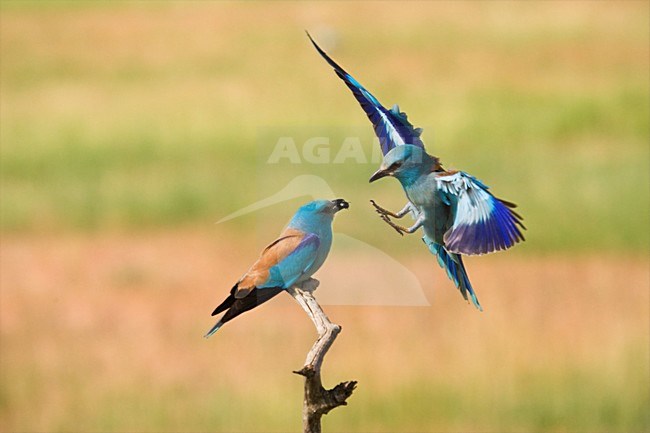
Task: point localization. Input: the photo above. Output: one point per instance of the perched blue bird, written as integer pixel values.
(290, 260)
(456, 211)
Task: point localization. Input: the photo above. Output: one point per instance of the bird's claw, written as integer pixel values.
(398, 229)
(380, 210)
(384, 215)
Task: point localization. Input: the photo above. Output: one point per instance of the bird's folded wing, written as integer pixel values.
(297, 263)
(391, 126)
(482, 222)
(281, 263)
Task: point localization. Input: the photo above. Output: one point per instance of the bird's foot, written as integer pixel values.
(380, 210)
(398, 228)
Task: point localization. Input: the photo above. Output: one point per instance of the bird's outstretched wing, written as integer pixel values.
(482, 222)
(391, 126)
(278, 267)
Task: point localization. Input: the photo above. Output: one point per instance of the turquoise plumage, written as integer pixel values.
(299, 251)
(456, 211)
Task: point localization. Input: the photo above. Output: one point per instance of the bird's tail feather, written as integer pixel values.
(238, 306)
(453, 265)
(227, 303)
(214, 329)
(253, 299)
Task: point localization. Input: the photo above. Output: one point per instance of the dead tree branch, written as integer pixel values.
(318, 401)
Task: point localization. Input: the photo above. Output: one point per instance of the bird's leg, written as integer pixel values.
(381, 211)
(400, 229)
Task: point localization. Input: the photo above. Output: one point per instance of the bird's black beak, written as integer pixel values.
(341, 204)
(379, 174)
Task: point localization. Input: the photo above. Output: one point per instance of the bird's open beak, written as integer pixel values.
(341, 204)
(379, 174)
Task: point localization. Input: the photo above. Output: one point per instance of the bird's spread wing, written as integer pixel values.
(391, 126)
(280, 263)
(482, 222)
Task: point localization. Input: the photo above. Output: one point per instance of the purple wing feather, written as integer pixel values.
(391, 126)
(483, 223)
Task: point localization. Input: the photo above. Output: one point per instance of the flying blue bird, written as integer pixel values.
(299, 251)
(456, 211)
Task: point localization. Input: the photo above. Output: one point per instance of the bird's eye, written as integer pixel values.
(394, 166)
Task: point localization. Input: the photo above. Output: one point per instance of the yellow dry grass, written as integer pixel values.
(104, 333)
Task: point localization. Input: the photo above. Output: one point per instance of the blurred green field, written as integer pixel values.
(127, 116)
(128, 128)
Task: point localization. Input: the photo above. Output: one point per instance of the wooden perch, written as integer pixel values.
(318, 401)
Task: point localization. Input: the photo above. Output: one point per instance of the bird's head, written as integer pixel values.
(404, 162)
(324, 207)
(317, 213)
